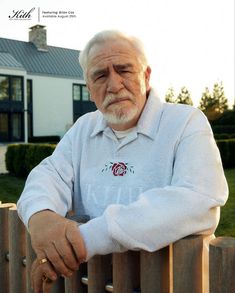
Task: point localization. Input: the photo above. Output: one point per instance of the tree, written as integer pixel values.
(184, 97)
(170, 95)
(206, 101)
(221, 101)
(213, 105)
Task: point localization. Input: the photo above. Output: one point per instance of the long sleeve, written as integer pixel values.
(188, 205)
(50, 184)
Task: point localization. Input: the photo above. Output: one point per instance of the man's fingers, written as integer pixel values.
(75, 239)
(65, 251)
(40, 272)
(47, 286)
(57, 261)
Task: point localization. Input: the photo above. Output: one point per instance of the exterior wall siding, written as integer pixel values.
(52, 104)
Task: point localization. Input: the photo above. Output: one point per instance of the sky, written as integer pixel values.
(189, 42)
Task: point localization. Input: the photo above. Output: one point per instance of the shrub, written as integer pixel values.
(227, 152)
(22, 158)
(219, 129)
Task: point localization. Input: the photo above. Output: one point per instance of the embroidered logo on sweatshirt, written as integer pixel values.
(119, 168)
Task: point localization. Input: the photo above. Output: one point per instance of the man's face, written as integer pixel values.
(117, 82)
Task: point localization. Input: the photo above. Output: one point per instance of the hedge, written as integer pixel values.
(219, 129)
(227, 152)
(22, 158)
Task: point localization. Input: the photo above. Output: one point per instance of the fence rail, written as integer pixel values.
(178, 268)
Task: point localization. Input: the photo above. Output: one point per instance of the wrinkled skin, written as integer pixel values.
(59, 240)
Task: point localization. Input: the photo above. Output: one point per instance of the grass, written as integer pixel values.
(227, 220)
(11, 188)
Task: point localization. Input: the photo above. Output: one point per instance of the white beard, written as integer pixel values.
(121, 117)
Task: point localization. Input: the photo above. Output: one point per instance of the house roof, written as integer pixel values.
(55, 61)
(7, 60)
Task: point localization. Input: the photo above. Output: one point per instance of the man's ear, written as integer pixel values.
(147, 77)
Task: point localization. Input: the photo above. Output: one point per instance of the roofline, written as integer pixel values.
(47, 45)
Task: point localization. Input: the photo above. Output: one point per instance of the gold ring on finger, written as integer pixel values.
(42, 261)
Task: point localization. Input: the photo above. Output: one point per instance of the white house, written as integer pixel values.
(42, 90)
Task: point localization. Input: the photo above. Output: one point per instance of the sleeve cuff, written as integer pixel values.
(97, 239)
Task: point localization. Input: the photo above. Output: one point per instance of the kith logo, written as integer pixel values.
(21, 14)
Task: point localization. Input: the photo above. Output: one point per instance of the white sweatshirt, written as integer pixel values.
(160, 183)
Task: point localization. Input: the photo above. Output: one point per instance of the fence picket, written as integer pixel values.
(222, 265)
(177, 268)
(4, 246)
(17, 238)
(99, 272)
(155, 271)
(187, 265)
(126, 272)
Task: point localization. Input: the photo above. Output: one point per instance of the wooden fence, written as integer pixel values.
(178, 268)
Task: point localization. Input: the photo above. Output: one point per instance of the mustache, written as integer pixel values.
(111, 98)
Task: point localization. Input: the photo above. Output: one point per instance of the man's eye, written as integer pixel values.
(100, 77)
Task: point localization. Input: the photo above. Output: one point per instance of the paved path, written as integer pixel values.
(3, 149)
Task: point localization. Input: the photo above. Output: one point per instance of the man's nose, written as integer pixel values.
(115, 83)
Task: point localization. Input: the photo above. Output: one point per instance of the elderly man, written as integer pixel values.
(146, 172)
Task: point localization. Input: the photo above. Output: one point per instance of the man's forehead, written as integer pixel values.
(115, 53)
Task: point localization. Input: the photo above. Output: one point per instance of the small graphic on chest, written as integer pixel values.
(119, 168)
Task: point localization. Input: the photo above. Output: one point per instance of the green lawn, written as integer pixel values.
(227, 220)
(11, 188)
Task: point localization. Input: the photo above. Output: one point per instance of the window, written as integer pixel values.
(85, 94)
(4, 88)
(4, 127)
(76, 92)
(16, 89)
(11, 88)
(16, 126)
(80, 93)
(29, 91)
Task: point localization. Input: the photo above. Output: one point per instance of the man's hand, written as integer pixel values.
(58, 240)
(42, 278)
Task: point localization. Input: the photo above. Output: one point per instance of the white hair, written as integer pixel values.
(112, 35)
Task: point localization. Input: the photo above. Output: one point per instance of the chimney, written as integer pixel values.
(38, 36)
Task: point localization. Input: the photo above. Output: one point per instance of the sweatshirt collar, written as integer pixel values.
(149, 120)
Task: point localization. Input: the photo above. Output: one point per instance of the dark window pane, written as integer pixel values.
(4, 88)
(29, 91)
(16, 88)
(16, 126)
(4, 131)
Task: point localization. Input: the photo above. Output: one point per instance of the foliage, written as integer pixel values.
(184, 97)
(170, 95)
(228, 118)
(22, 158)
(214, 105)
(227, 152)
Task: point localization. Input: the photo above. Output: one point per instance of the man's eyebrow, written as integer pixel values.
(98, 72)
(123, 66)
